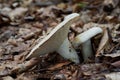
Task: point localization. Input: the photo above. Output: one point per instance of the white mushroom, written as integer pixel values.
(84, 40)
(67, 51)
(57, 40)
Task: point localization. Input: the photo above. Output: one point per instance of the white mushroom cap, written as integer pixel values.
(83, 37)
(55, 38)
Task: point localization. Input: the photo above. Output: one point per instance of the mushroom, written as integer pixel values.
(84, 40)
(57, 40)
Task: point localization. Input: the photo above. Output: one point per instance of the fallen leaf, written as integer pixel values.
(113, 76)
(59, 65)
(109, 5)
(8, 78)
(103, 43)
(24, 66)
(17, 12)
(116, 64)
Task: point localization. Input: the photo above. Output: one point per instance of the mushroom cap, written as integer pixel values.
(83, 37)
(55, 38)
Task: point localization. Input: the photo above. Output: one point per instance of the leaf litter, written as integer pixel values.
(23, 22)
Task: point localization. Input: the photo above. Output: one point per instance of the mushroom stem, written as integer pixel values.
(87, 50)
(68, 52)
(84, 39)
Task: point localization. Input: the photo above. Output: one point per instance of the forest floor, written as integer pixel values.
(23, 23)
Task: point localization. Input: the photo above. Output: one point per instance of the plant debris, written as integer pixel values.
(24, 23)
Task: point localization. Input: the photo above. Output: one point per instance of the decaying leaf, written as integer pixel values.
(109, 5)
(103, 43)
(116, 64)
(113, 76)
(24, 66)
(17, 12)
(23, 23)
(113, 55)
(59, 65)
(8, 78)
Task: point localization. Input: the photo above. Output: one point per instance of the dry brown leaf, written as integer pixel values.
(20, 48)
(113, 76)
(26, 77)
(116, 64)
(47, 12)
(17, 12)
(24, 66)
(109, 5)
(103, 43)
(112, 55)
(58, 65)
(8, 78)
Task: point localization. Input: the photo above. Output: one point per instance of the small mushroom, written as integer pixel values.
(84, 40)
(57, 40)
